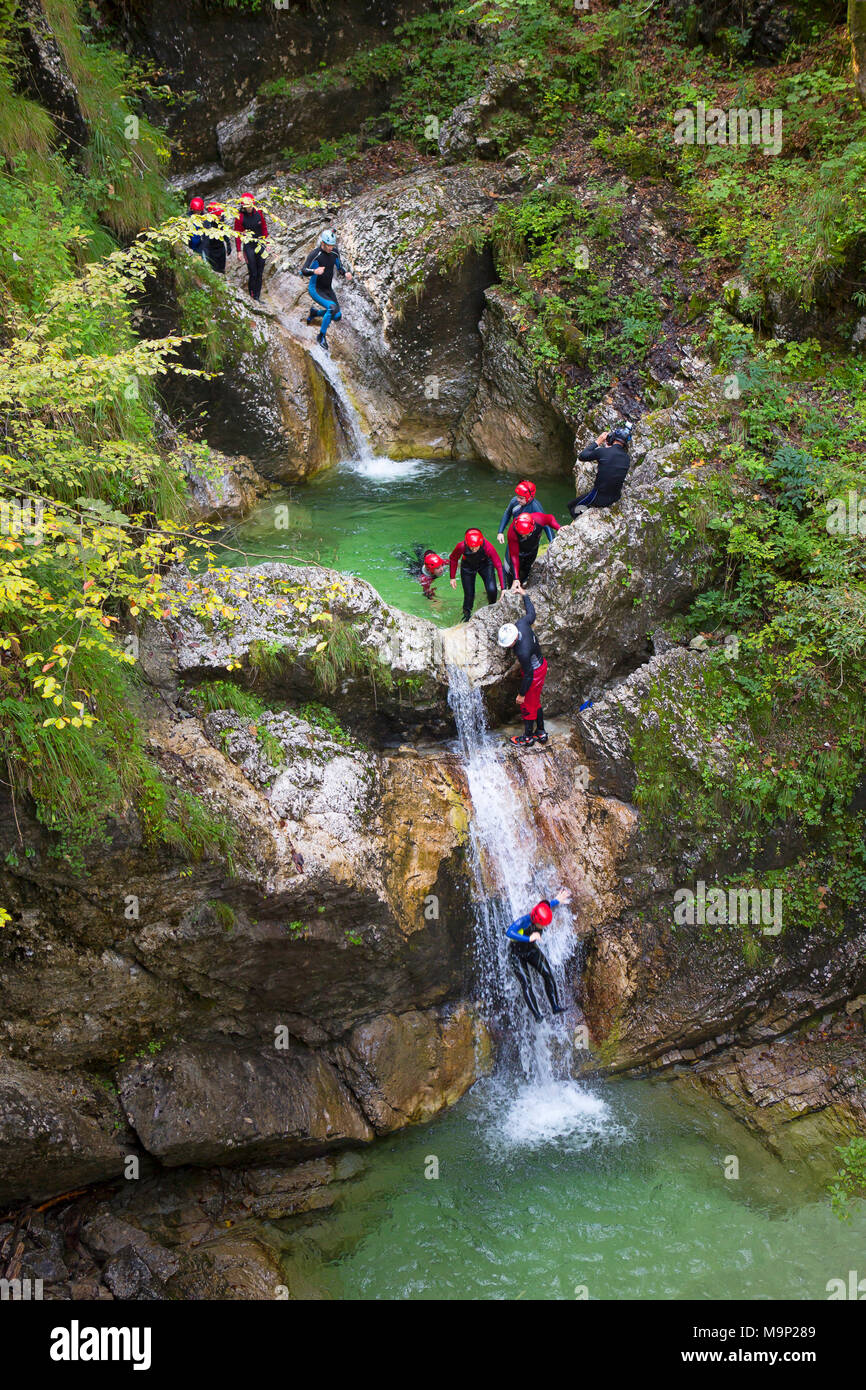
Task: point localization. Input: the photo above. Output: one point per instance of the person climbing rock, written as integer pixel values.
(216, 239)
(425, 566)
(524, 936)
(524, 538)
(320, 265)
(524, 500)
(520, 638)
(195, 240)
(252, 233)
(610, 451)
(477, 557)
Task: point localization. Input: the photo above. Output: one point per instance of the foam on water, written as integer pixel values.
(556, 1110)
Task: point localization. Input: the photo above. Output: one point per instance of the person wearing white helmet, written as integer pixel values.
(320, 265)
(520, 638)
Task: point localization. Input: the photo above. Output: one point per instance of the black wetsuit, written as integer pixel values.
(613, 465)
(253, 220)
(525, 955)
(216, 242)
(528, 652)
(484, 562)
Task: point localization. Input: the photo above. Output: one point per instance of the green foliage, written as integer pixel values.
(850, 1181)
(341, 653)
(326, 720)
(219, 695)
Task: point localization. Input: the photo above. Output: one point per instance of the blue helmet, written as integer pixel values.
(329, 238)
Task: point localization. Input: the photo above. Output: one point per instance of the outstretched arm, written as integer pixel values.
(529, 606)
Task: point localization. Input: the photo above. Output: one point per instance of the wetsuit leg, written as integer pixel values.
(539, 721)
(488, 575)
(256, 267)
(587, 500)
(527, 560)
(521, 971)
(467, 579)
(329, 307)
(539, 962)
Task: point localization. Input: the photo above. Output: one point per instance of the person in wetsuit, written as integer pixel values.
(610, 452)
(520, 638)
(477, 557)
(524, 936)
(252, 232)
(425, 566)
(195, 240)
(320, 265)
(524, 538)
(217, 242)
(524, 500)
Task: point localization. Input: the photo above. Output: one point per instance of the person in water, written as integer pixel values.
(252, 232)
(524, 936)
(520, 638)
(524, 500)
(477, 557)
(425, 566)
(524, 538)
(610, 452)
(217, 242)
(320, 265)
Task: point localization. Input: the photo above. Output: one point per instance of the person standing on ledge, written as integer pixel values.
(524, 500)
(520, 638)
(252, 230)
(610, 451)
(477, 557)
(524, 538)
(217, 242)
(524, 936)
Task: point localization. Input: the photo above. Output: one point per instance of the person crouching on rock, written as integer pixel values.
(477, 557)
(425, 566)
(252, 229)
(610, 451)
(524, 500)
(524, 538)
(524, 936)
(320, 265)
(520, 638)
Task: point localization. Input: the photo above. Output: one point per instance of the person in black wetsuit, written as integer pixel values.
(252, 233)
(520, 638)
(477, 557)
(523, 936)
(425, 566)
(216, 239)
(524, 538)
(320, 265)
(610, 451)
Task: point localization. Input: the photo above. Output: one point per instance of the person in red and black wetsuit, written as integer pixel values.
(520, 638)
(477, 557)
(425, 566)
(524, 538)
(252, 233)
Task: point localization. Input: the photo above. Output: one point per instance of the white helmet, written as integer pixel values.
(507, 635)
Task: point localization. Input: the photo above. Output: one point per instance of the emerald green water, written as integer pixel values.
(616, 1189)
(360, 516)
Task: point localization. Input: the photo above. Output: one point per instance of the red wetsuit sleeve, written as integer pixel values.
(513, 549)
(239, 226)
(544, 519)
(454, 557)
(494, 555)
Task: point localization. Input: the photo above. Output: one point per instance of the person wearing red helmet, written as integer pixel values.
(425, 566)
(524, 538)
(252, 230)
(217, 242)
(477, 557)
(524, 500)
(195, 240)
(523, 936)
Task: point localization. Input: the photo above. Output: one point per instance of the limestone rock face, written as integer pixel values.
(222, 488)
(466, 133)
(297, 119)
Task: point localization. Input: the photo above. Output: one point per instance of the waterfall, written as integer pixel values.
(511, 874)
(358, 441)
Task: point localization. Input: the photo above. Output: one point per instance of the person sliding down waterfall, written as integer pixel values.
(320, 265)
(524, 500)
(610, 451)
(476, 556)
(425, 566)
(524, 935)
(524, 538)
(520, 637)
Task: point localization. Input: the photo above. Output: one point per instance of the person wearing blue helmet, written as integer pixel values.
(320, 265)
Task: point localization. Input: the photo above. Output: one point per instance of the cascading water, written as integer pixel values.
(511, 874)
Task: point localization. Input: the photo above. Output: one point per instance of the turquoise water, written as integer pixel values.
(608, 1191)
(359, 516)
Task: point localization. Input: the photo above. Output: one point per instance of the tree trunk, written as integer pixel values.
(857, 30)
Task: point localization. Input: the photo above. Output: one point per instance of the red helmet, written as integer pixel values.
(216, 207)
(541, 915)
(473, 538)
(247, 195)
(196, 204)
(524, 524)
(526, 490)
(433, 561)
